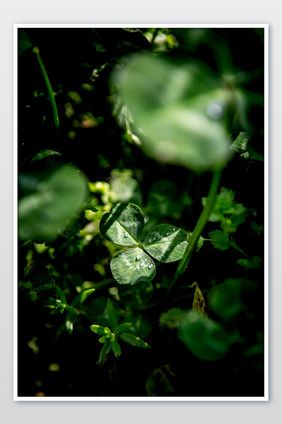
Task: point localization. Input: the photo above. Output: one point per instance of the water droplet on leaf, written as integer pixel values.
(214, 111)
(150, 266)
(138, 258)
(125, 235)
(142, 264)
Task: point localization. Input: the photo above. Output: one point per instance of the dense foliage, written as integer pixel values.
(141, 211)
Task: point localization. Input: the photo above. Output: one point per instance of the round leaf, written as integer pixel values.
(204, 337)
(123, 225)
(50, 203)
(132, 266)
(177, 111)
(166, 243)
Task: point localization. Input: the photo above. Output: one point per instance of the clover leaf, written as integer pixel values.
(123, 225)
(166, 243)
(132, 266)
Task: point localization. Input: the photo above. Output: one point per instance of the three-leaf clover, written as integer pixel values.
(123, 225)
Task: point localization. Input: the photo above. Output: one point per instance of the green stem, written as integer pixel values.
(199, 226)
(49, 88)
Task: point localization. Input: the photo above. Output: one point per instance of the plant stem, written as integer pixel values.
(49, 89)
(203, 219)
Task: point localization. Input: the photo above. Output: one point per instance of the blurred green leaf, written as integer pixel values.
(141, 324)
(82, 296)
(97, 329)
(166, 243)
(240, 143)
(123, 225)
(44, 154)
(69, 323)
(250, 264)
(97, 311)
(61, 294)
(171, 318)
(104, 351)
(225, 300)
(177, 111)
(50, 203)
(219, 240)
(71, 310)
(163, 200)
(116, 347)
(228, 212)
(124, 188)
(139, 295)
(24, 41)
(132, 266)
(204, 337)
(159, 382)
(112, 315)
(122, 328)
(134, 341)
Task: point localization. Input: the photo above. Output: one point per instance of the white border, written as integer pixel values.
(266, 217)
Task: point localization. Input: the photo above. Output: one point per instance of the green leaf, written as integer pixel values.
(124, 188)
(132, 266)
(219, 240)
(134, 341)
(49, 203)
(163, 200)
(250, 264)
(116, 347)
(141, 324)
(135, 296)
(159, 382)
(166, 243)
(23, 41)
(112, 315)
(239, 145)
(179, 110)
(104, 351)
(71, 310)
(97, 329)
(69, 323)
(45, 154)
(122, 328)
(82, 296)
(204, 337)
(225, 299)
(123, 225)
(61, 294)
(171, 318)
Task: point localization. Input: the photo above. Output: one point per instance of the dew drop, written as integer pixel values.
(142, 264)
(214, 111)
(150, 266)
(173, 229)
(138, 258)
(125, 235)
(154, 238)
(145, 260)
(150, 241)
